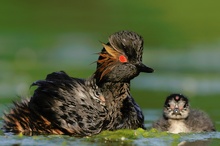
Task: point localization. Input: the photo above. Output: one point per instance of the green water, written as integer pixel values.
(181, 44)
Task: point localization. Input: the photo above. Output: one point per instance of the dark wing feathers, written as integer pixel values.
(67, 103)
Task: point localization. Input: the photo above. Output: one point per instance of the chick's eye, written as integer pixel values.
(185, 105)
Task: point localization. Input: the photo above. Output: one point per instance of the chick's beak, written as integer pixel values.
(176, 111)
(144, 68)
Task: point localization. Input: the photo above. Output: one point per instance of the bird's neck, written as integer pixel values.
(115, 91)
(111, 91)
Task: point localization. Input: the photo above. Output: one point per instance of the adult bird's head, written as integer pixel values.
(121, 58)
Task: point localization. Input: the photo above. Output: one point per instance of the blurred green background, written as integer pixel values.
(182, 40)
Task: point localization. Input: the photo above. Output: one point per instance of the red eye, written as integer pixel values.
(122, 59)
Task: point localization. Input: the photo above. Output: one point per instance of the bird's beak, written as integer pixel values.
(144, 68)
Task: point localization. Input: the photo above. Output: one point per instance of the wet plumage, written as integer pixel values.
(178, 117)
(80, 107)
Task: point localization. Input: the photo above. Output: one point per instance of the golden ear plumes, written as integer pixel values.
(111, 51)
(107, 60)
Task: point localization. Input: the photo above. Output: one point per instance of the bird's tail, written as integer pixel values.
(21, 119)
(18, 119)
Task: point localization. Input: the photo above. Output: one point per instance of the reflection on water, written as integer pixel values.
(168, 141)
(195, 143)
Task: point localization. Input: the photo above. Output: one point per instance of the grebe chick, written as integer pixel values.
(178, 117)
